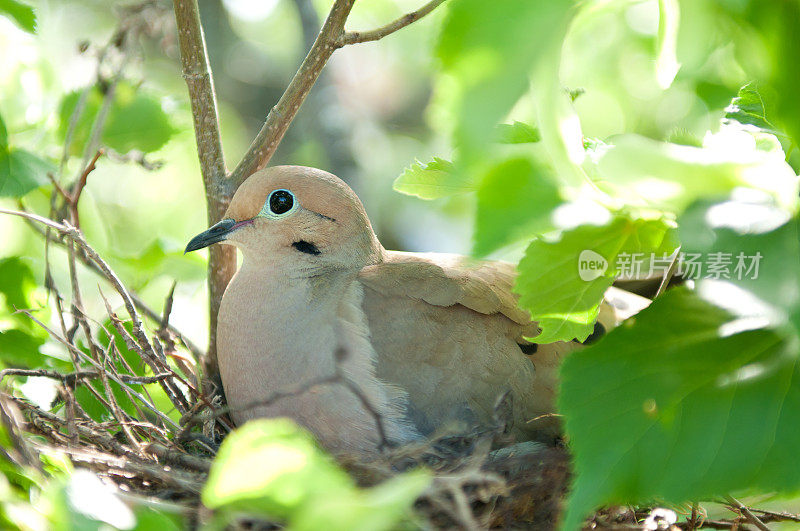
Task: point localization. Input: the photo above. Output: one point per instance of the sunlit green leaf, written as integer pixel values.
(515, 200)
(671, 176)
(378, 508)
(20, 171)
(433, 180)
(489, 49)
(517, 133)
(667, 64)
(678, 407)
(778, 25)
(162, 257)
(561, 283)
(271, 467)
(17, 283)
(748, 108)
(21, 13)
(135, 120)
(152, 519)
(274, 468)
(761, 248)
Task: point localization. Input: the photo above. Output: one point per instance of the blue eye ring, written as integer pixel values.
(279, 204)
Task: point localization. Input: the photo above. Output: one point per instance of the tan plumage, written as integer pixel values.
(430, 339)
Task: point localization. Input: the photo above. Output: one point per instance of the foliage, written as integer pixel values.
(274, 468)
(135, 119)
(20, 170)
(682, 142)
(688, 401)
(22, 14)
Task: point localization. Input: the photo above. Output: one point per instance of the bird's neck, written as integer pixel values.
(293, 317)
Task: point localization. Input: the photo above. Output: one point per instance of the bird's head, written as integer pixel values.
(290, 214)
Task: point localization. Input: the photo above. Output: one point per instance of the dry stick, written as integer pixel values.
(179, 458)
(140, 305)
(89, 360)
(73, 377)
(124, 460)
(115, 409)
(73, 198)
(149, 357)
(281, 115)
(744, 510)
(139, 468)
(356, 37)
(133, 345)
(777, 516)
(102, 438)
(668, 274)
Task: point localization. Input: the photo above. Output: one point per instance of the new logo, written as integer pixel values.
(591, 265)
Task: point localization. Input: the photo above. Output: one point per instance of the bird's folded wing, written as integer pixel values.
(447, 280)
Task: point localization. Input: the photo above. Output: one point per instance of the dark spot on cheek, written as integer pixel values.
(528, 349)
(306, 247)
(598, 332)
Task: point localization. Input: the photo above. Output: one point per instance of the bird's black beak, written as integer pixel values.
(214, 234)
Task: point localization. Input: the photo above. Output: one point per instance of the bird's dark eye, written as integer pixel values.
(280, 202)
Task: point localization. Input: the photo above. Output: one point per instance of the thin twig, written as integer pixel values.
(281, 115)
(745, 511)
(73, 377)
(668, 274)
(32, 219)
(356, 37)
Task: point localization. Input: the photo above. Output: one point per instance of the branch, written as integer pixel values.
(357, 37)
(281, 115)
(197, 74)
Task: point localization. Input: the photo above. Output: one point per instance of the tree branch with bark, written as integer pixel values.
(219, 184)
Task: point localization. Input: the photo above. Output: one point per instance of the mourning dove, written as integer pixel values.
(423, 340)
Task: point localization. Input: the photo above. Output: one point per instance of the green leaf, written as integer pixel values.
(20, 349)
(763, 251)
(517, 133)
(271, 467)
(433, 180)
(375, 509)
(667, 64)
(162, 257)
(488, 50)
(778, 25)
(3, 134)
(274, 468)
(679, 406)
(672, 176)
(515, 200)
(135, 120)
(17, 283)
(561, 283)
(22, 14)
(747, 108)
(21, 172)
